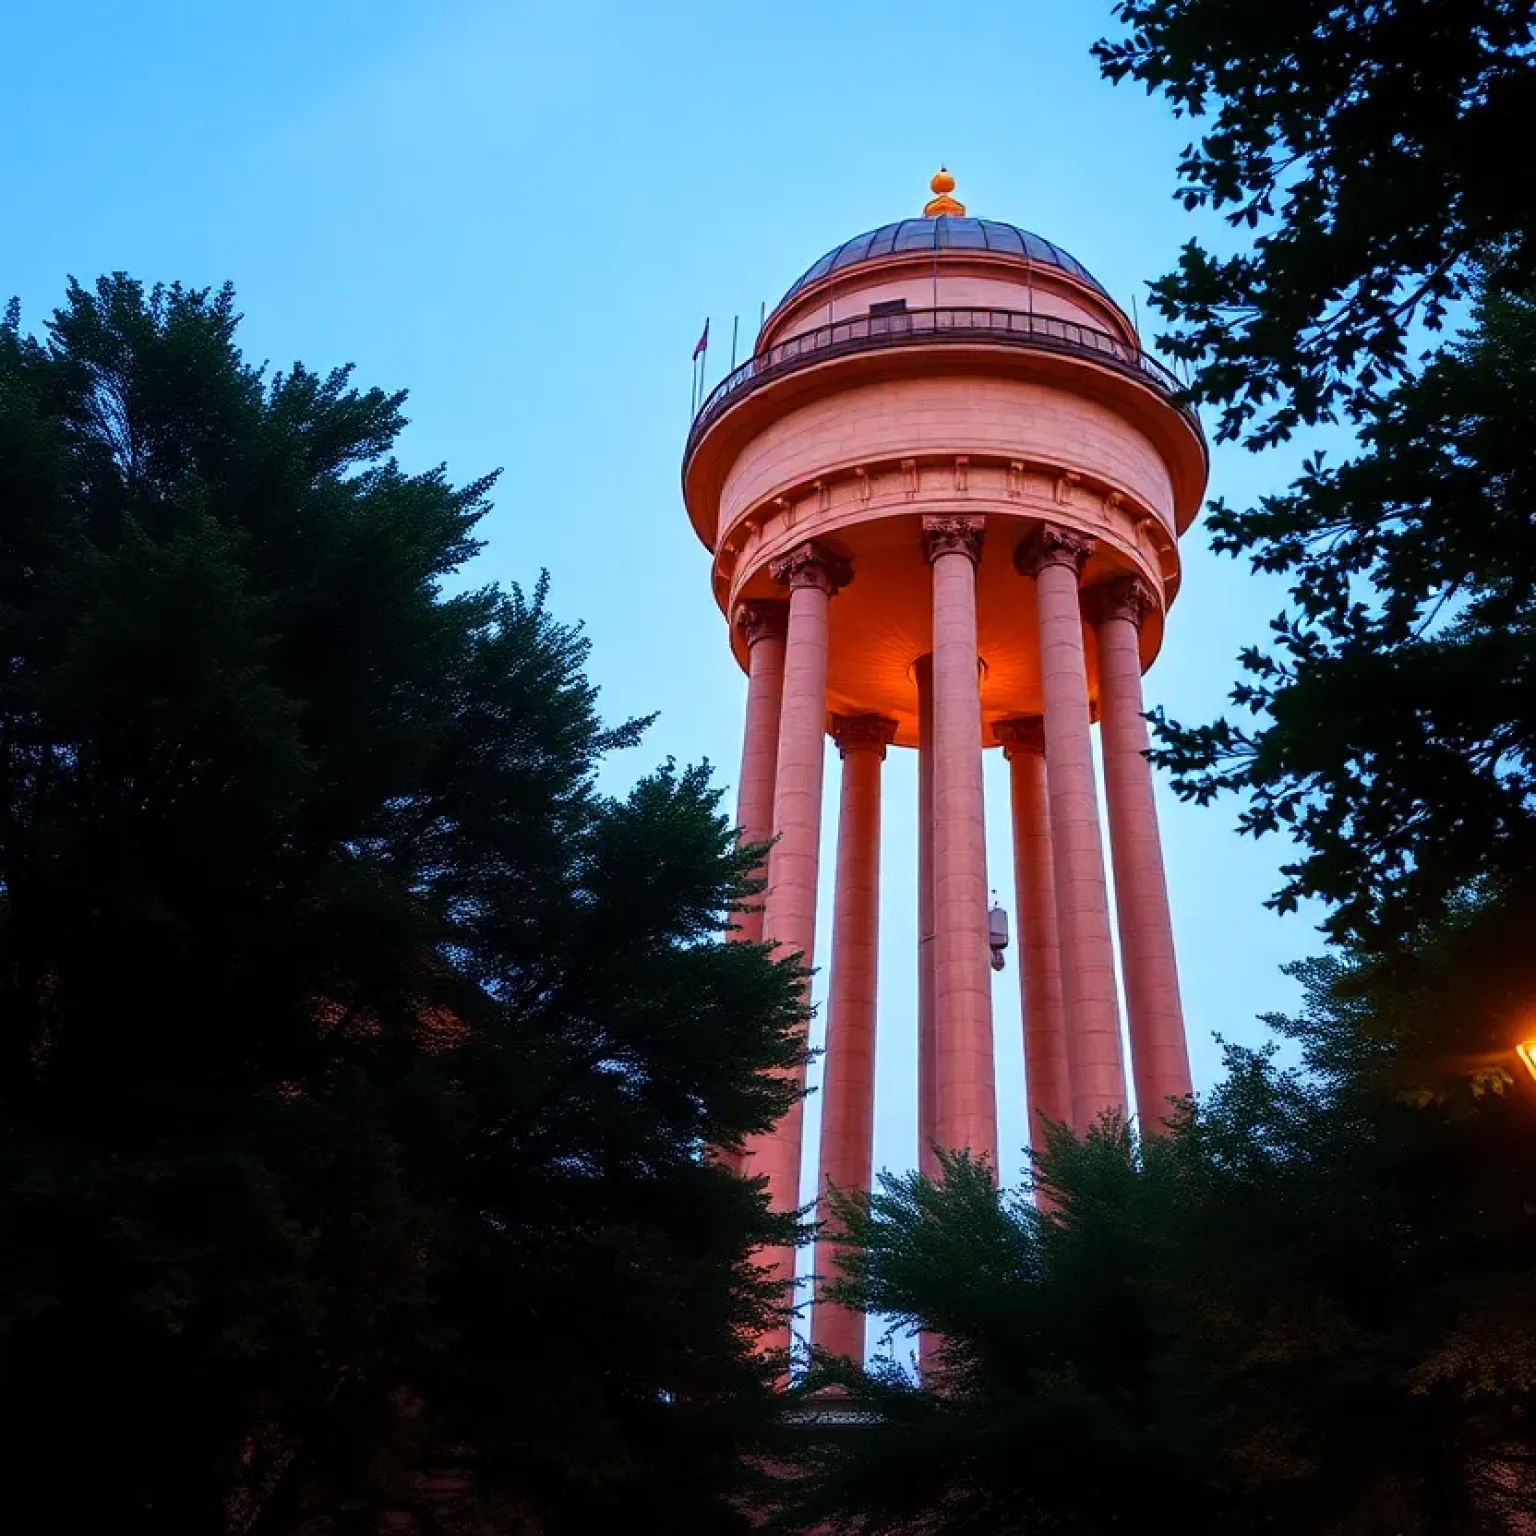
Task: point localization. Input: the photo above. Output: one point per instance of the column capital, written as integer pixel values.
(812, 565)
(1022, 736)
(953, 536)
(863, 733)
(762, 619)
(1124, 597)
(1051, 544)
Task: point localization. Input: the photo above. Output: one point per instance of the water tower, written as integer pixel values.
(943, 499)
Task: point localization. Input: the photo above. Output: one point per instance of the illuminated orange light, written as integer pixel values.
(1526, 1051)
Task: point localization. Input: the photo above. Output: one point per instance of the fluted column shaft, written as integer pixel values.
(967, 1101)
(763, 625)
(1055, 557)
(848, 1082)
(789, 904)
(1159, 1053)
(1034, 876)
(927, 1052)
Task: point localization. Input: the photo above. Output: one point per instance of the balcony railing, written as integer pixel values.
(1006, 327)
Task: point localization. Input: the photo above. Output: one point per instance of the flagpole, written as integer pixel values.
(735, 321)
(700, 366)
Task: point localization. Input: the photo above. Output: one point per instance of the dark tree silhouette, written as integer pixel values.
(357, 1057)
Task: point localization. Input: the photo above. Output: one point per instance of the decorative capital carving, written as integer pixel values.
(863, 733)
(812, 565)
(1123, 597)
(762, 619)
(1023, 733)
(1051, 544)
(953, 535)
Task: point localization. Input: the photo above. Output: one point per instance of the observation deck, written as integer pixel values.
(946, 327)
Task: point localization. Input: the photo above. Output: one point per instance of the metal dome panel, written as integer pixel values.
(943, 234)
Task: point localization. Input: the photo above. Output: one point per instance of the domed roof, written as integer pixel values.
(944, 233)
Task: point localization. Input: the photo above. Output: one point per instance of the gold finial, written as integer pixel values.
(943, 205)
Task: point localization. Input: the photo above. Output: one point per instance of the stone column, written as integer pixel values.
(848, 1082)
(967, 1099)
(927, 1057)
(812, 575)
(1034, 878)
(1055, 557)
(1159, 1055)
(763, 625)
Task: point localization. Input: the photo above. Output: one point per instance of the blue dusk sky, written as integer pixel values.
(523, 213)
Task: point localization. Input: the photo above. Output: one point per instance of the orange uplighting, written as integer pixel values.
(1526, 1051)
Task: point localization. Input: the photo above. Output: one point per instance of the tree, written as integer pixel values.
(1357, 142)
(1395, 714)
(1365, 146)
(357, 1057)
(1307, 1307)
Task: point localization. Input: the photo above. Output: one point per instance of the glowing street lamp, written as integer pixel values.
(1526, 1051)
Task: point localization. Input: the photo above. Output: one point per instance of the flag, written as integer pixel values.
(702, 344)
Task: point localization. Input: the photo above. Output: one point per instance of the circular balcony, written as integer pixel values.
(940, 327)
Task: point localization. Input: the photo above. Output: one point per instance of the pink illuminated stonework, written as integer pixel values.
(848, 1080)
(942, 501)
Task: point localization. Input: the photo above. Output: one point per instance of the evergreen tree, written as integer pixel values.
(357, 1057)
(1308, 1308)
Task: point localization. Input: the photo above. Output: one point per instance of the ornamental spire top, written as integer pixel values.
(943, 205)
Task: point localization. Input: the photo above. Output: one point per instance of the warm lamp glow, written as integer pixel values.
(1526, 1051)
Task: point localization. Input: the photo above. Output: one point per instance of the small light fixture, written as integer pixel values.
(997, 937)
(1526, 1051)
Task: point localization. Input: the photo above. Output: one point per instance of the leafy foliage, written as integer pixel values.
(1359, 151)
(1396, 709)
(357, 1058)
(1367, 147)
(1307, 1308)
